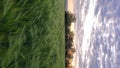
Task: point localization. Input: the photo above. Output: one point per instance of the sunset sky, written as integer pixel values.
(70, 8)
(97, 31)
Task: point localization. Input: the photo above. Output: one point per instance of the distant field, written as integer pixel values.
(32, 34)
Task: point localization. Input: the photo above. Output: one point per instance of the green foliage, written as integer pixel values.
(69, 18)
(32, 34)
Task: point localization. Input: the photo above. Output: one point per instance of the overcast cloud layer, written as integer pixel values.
(97, 33)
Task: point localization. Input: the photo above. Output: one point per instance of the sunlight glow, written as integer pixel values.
(87, 26)
(72, 27)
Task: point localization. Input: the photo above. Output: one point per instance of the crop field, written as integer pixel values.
(32, 34)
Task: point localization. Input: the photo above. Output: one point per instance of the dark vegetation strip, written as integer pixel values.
(69, 46)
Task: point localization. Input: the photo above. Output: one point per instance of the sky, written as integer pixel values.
(97, 33)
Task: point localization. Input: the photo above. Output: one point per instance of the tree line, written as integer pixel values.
(69, 35)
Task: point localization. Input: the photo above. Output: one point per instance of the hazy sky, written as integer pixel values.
(97, 33)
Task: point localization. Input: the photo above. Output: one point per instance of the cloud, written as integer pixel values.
(106, 32)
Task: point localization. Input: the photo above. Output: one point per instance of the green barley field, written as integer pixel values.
(32, 34)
